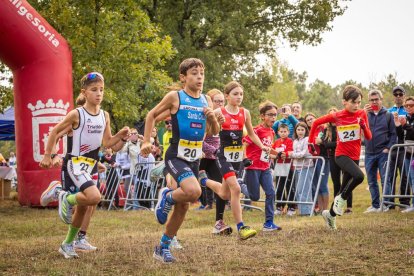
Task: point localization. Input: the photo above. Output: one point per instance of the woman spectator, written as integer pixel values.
(156, 149)
(323, 193)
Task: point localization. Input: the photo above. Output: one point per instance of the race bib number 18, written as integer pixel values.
(82, 164)
(349, 132)
(190, 150)
(233, 154)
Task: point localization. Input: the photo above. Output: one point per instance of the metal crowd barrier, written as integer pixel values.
(136, 191)
(399, 161)
(295, 186)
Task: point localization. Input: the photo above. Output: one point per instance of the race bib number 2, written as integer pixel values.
(233, 154)
(265, 157)
(82, 165)
(349, 132)
(190, 150)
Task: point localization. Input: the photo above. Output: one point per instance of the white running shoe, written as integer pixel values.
(408, 210)
(51, 194)
(339, 205)
(83, 245)
(175, 244)
(291, 212)
(278, 211)
(330, 220)
(67, 250)
(372, 209)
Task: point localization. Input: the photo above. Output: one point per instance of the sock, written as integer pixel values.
(81, 234)
(72, 199)
(70, 236)
(170, 199)
(240, 225)
(165, 242)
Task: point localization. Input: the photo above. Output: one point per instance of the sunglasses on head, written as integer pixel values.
(92, 76)
(168, 122)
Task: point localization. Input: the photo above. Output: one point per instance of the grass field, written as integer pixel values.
(364, 244)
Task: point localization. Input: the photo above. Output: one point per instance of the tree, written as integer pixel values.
(287, 85)
(319, 98)
(119, 40)
(227, 35)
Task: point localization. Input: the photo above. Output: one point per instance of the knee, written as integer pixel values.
(193, 194)
(359, 178)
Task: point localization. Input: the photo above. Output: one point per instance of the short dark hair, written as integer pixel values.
(189, 63)
(266, 106)
(282, 125)
(351, 92)
(410, 98)
(301, 124)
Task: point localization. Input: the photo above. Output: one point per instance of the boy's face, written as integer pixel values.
(283, 132)
(94, 92)
(269, 117)
(194, 79)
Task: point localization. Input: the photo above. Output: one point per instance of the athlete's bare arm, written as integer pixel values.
(70, 121)
(115, 142)
(213, 125)
(168, 104)
(255, 139)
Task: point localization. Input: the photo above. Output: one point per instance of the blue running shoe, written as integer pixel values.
(163, 255)
(163, 207)
(269, 226)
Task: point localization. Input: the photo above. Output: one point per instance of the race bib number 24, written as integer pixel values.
(349, 132)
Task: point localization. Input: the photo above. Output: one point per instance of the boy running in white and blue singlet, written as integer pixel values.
(190, 113)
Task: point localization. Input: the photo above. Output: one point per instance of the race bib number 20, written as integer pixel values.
(190, 150)
(349, 132)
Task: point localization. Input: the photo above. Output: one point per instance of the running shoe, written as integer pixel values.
(65, 209)
(269, 226)
(163, 207)
(246, 232)
(163, 255)
(83, 245)
(330, 220)
(372, 209)
(220, 228)
(291, 212)
(67, 250)
(175, 244)
(339, 205)
(278, 211)
(202, 175)
(408, 210)
(51, 193)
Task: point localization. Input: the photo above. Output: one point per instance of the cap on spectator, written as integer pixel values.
(398, 88)
(168, 119)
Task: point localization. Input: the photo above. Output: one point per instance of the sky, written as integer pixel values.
(371, 40)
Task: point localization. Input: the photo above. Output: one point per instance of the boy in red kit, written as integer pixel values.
(259, 173)
(283, 172)
(351, 123)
